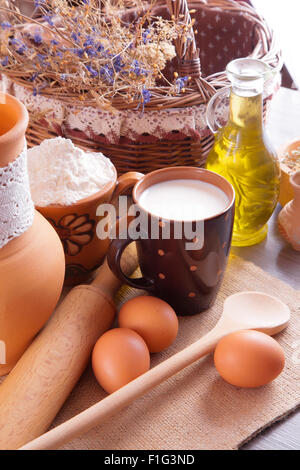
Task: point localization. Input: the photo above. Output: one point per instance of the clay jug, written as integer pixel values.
(32, 264)
(289, 216)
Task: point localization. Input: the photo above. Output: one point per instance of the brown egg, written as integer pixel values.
(153, 319)
(119, 356)
(249, 358)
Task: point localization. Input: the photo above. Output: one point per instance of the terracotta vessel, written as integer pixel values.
(289, 216)
(76, 226)
(32, 263)
(286, 190)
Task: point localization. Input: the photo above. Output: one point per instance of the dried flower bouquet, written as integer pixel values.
(77, 49)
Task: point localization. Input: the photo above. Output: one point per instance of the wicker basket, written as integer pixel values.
(227, 29)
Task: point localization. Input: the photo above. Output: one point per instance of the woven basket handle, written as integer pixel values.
(185, 44)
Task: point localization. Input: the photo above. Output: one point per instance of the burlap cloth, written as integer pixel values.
(196, 409)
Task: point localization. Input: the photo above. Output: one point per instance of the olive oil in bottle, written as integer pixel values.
(244, 157)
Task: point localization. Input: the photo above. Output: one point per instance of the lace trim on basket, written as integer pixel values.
(87, 122)
(16, 206)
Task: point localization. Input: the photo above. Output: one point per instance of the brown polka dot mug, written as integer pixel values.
(182, 257)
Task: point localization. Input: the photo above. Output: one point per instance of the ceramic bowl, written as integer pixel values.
(286, 190)
(76, 227)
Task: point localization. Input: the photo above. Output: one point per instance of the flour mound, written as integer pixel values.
(60, 173)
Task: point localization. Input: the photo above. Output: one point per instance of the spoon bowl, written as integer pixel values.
(255, 310)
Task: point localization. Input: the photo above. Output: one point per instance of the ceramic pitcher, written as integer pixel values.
(32, 261)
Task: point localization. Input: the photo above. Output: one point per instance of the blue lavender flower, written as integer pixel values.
(20, 46)
(75, 36)
(63, 76)
(41, 57)
(38, 3)
(89, 41)
(78, 51)
(118, 63)
(4, 62)
(181, 82)
(137, 69)
(90, 51)
(42, 60)
(54, 42)
(107, 74)
(34, 76)
(48, 19)
(146, 95)
(59, 54)
(37, 38)
(92, 71)
(145, 35)
(5, 25)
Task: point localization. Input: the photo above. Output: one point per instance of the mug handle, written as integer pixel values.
(124, 183)
(114, 256)
(117, 246)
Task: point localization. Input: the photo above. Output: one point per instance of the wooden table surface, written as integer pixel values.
(276, 257)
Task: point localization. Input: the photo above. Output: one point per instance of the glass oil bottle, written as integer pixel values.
(243, 155)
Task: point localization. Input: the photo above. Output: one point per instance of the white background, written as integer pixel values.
(284, 17)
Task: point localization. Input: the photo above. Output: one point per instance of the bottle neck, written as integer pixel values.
(246, 111)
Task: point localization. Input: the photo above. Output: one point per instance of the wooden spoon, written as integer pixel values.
(245, 310)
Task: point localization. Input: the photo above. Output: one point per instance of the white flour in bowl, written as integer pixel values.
(60, 173)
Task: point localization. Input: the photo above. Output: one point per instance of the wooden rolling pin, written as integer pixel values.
(40, 383)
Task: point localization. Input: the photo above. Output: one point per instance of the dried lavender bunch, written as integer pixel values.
(85, 49)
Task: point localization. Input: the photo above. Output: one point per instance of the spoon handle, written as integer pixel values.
(115, 402)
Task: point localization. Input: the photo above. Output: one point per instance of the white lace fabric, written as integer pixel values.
(16, 206)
